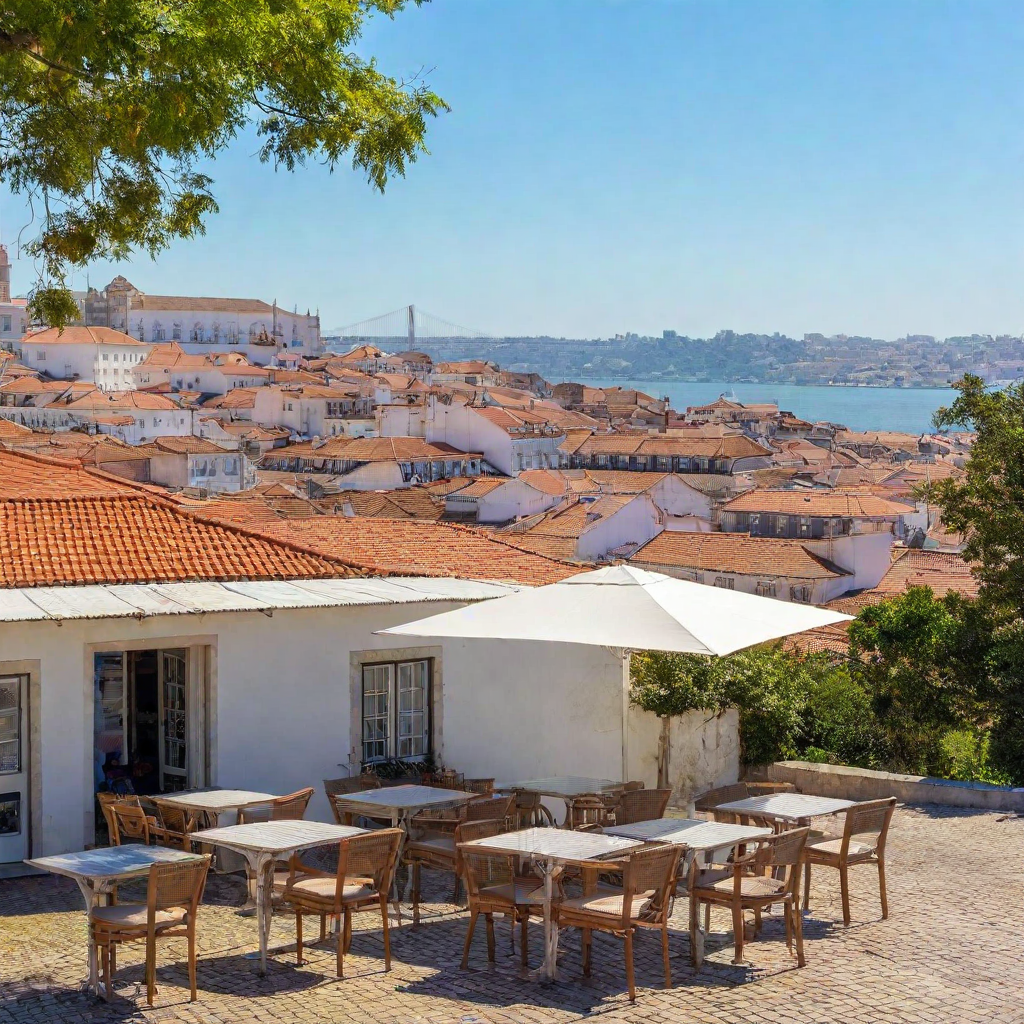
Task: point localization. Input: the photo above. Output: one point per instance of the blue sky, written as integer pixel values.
(614, 165)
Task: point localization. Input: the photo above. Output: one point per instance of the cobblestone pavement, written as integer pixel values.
(951, 951)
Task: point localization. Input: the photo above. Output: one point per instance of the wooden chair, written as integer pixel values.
(172, 902)
(642, 805)
(291, 807)
(530, 811)
(494, 887)
(750, 882)
(440, 852)
(862, 842)
(485, 787)
(338, 787)
(130, 824)
(366, 867)
(587, 810)
(481, 809)
(176, 824)
(108, 800)
(707, 802)
(643, 901)
(768, 788)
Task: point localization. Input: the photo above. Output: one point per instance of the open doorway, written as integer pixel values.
(142, 727)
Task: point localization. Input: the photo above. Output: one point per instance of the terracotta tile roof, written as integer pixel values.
(482, 486)
(736, 553)
(189, 304)
(113, 401)
(61, 525)
(80, 336)
(731, 446)
(188, 445)
(824, 640)
(10, 430)
(238, 398)
(621, 481)
(550, 481)
(415, 547)
(35, 386)
(555, 533)
(404, 503)
(850, 504)
(371, 449)
(943, 571)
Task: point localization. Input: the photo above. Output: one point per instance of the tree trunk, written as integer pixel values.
(664, 751)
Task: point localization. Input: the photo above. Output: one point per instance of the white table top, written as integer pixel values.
(556, 844)
(564, 786)
(218, 800)
(276, 836)
(693, 833)
(129, 861)
(401, 798)
(788, 806)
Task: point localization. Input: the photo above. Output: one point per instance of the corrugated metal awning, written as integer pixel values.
(134, 600)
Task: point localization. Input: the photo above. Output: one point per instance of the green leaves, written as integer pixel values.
(106, 107)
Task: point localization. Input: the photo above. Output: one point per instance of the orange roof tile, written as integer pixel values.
(736, 553)
(851, 504)
(731, 446)
(61, 525)
(420, 548)
(370, 449)
(80, 336)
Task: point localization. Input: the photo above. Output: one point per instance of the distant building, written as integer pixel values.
(257, 328)
(13, 312)
(103, 356)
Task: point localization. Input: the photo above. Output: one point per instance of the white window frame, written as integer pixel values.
(387, 738)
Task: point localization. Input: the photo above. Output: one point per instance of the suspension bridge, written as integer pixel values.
(408, 328)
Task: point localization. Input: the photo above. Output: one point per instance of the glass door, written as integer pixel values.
(173, 693)
(13, 768)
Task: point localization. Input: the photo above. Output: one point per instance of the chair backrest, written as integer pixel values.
(642, 805)
(483, 786)
(177, 885)
(480, 869)
(649, 872)
(783, 850)
(130, 824)
(767, 788)
(106, 800)
(339, 787)
(869, 820)
(291, 807)
(628, 787)
(176, 819)
(530, 809)
(588, 809)
(489, 808)
(370, 856)
(722, 795)
(446, 779)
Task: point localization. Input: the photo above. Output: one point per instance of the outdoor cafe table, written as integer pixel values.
(562, 787)
(696, 837)
(788, 808)
(264, 842)
(214, 802)
(550, 850)
(97, 872)
(400, 804)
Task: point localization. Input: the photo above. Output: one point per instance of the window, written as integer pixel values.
(801, 594)
(765, 588)
(41, 355)
(726, 582)
(115, 357)
(5, 323)
(176, 332)
(10, 725)
(396, 709)
(231, 467)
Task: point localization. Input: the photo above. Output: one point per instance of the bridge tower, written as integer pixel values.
(412, 328)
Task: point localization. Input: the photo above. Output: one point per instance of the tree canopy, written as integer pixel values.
(109, 109)
(987, 505)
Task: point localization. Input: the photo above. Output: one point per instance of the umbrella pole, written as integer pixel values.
(624, 656)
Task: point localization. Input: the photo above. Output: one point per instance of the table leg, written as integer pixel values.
(402, 822)
(548, 868)
(92, 895)
(263, 866)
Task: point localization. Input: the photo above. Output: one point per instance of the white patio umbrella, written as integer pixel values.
(625, 608)
(628, 608)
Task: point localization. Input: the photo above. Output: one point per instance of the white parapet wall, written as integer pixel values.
(845, 782)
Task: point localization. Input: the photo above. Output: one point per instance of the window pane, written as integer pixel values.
(413, 722)
(377, 683)
(10, 724)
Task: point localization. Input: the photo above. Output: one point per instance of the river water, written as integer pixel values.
(906, 409)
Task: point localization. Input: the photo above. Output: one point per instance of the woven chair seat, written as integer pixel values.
(123, 916)
(754, 886)
(605, 900)
(833, 845)
(324, 888)
(524, 892)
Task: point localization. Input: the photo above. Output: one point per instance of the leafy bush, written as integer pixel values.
(838, 724)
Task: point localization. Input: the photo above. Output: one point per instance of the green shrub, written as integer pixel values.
(838, 721)
(964, 754)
